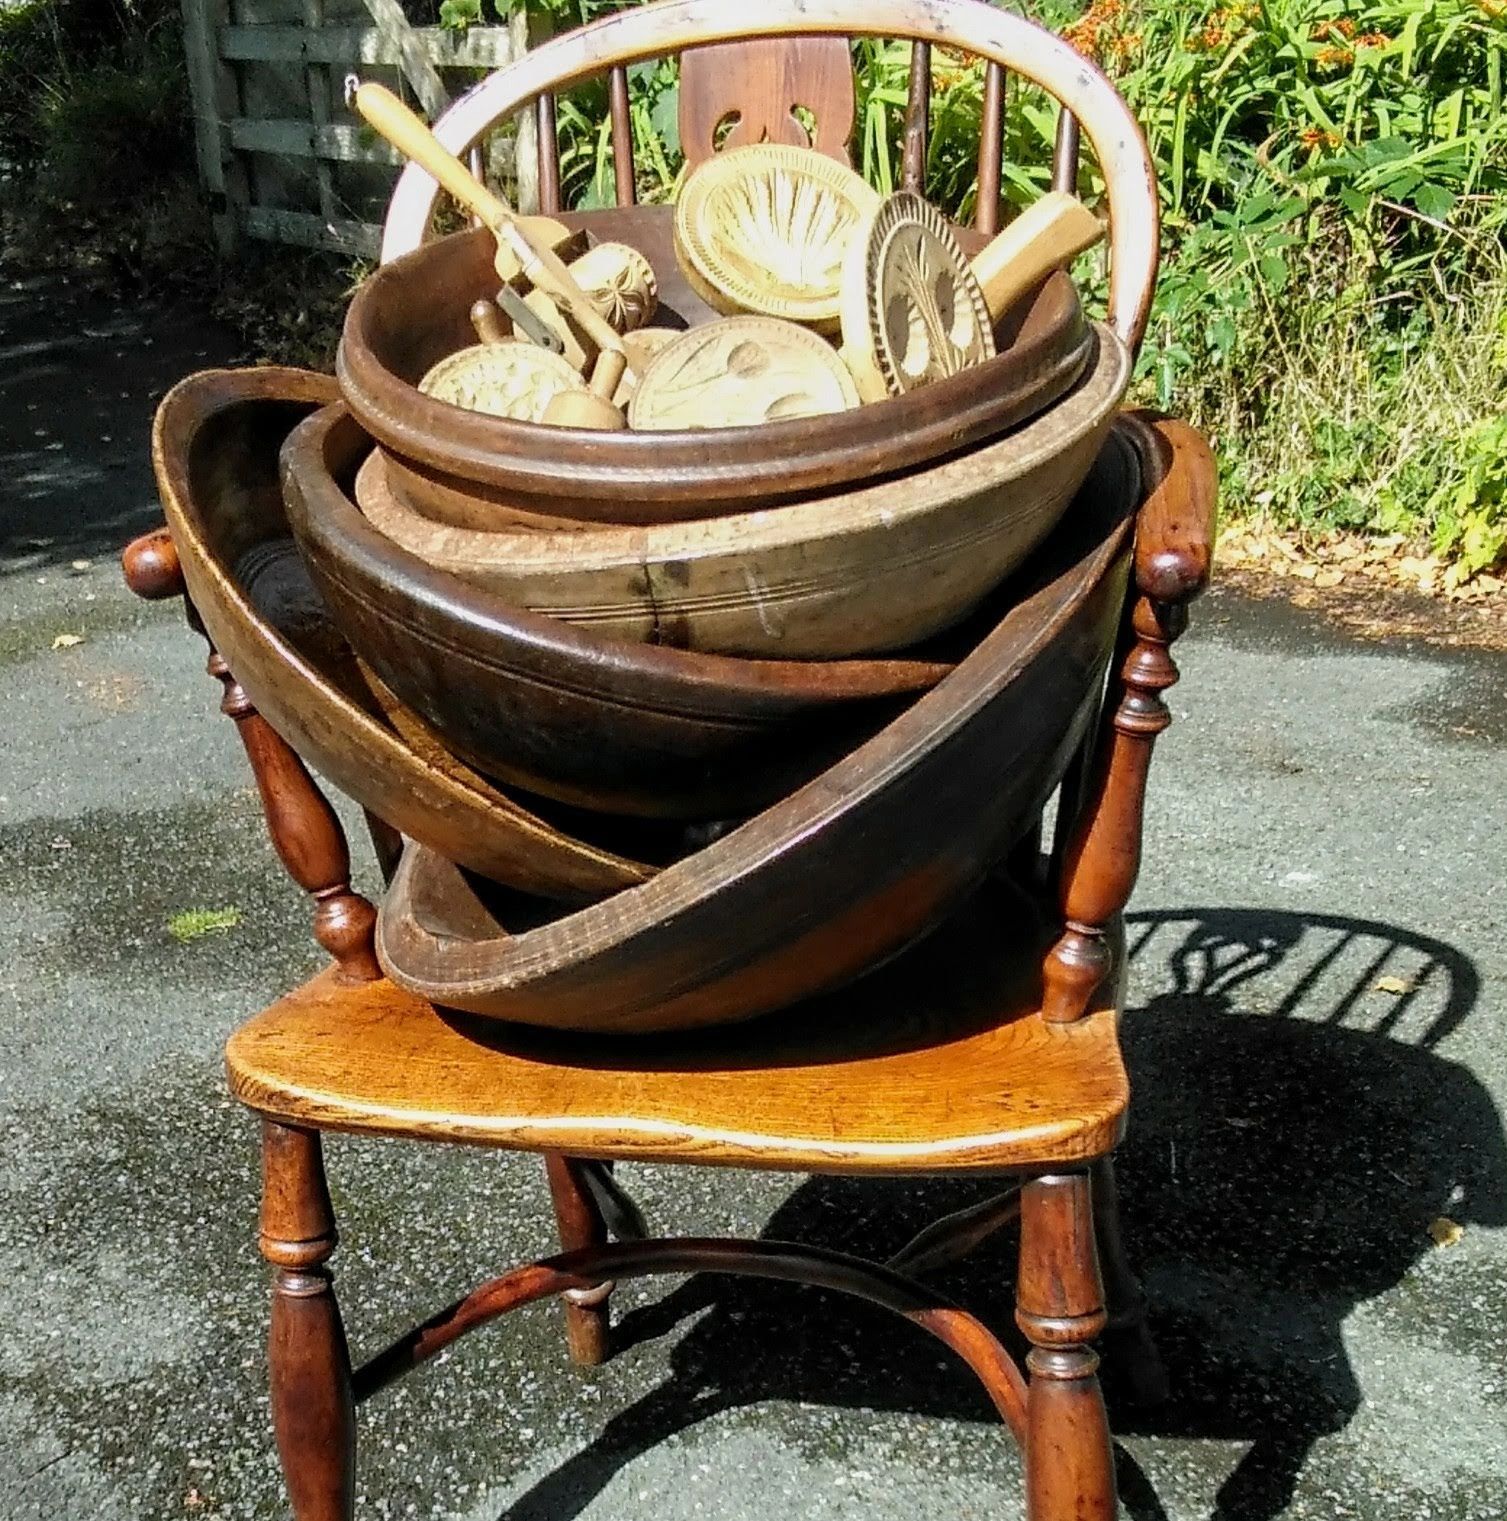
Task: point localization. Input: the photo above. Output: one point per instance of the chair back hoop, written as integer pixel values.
(670, 26)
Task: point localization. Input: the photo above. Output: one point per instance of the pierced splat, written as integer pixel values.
(764, 87)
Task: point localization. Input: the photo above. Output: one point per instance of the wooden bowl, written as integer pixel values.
(414, 311)
(835, 877)
(215, 449)
(766, 229)
(880, 567)
(593, 722)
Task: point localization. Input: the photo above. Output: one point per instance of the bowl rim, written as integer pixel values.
(491, 631)
(702, 471)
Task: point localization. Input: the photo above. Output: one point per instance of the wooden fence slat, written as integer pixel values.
(236, 151)
(483, 47)
(317, 81)
(298, 139)
(216, 98)
(417, 68)
(310, 231)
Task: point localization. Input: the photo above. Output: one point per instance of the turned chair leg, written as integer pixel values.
(1060, 1308)
(1127, 1339)
(588, 1315)
(313, 1414)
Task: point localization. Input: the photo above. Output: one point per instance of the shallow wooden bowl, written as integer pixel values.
(593, 722)
(215, 447)
(414, 311)
(835, 877)
(878, 568)
(766, 229)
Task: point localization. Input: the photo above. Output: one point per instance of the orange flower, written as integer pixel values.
(1314, 138)
(1334, 58)
(1372, 40)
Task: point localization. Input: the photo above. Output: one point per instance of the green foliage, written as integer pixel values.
(196, 923)
(1333, 178)
(95, 134)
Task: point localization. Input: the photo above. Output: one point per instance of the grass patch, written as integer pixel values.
(195, 923)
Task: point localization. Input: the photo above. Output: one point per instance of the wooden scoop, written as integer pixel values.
(517, 248)
(1048, 234)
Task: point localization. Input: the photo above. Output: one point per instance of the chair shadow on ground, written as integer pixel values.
(1294, 1133)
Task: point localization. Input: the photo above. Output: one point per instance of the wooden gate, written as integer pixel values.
(279, 156)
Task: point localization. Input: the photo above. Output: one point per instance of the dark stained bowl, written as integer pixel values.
(415, 310)
(215, 447)
(842, 872)
(597, 723)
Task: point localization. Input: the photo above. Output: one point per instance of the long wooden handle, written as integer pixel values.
(409, 135)
(552, 275)
(1044, 237)
(382, 110)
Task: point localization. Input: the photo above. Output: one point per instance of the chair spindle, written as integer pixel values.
(1065, 153)
(991, 151)
(549, 156)
(622, 137)
(917, 119)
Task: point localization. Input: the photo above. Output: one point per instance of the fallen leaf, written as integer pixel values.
(1394, 985)
(1327, 578)
(67, 641)
(1446, 1232)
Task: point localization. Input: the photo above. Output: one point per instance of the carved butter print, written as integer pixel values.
(740, 372)
(766, 230)
(783, 229)
(509, 379)
(928, 310)
(620, 282)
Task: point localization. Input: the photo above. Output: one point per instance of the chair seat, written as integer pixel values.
(936, 1063)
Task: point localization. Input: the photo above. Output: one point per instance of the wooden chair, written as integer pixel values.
(978, 1052)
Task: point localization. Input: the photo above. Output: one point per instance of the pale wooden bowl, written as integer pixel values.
(862, 571)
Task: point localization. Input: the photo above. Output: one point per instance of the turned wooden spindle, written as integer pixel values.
(1173, 558)
(313, 1411)
(588, 1319)
(305, 832)
(1059, 1305)
(306, 835)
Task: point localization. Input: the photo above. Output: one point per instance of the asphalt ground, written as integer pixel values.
(1315, 1030)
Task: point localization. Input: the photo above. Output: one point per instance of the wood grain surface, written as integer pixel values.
(836, 875)
(753, 88)
(870, 569)
(414, 312)
(597, 723)
(215, 445)
(935, 1063)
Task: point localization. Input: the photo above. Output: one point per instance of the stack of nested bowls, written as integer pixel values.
(788, 689)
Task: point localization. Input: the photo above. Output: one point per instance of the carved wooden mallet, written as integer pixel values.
(519, 245)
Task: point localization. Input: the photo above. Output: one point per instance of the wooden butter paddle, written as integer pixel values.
(519, 245)
(1048, 234)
